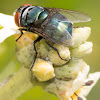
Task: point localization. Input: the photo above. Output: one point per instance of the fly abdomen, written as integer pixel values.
(59, 29)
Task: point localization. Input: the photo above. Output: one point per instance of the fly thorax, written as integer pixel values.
(33, 15)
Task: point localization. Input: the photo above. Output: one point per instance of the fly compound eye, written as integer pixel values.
(18, 12)
(17, 16)
(27, 5)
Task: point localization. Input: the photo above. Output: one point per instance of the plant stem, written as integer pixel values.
(17, 85)
(12, 66)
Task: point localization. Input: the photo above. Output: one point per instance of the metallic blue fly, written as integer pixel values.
(53, 24)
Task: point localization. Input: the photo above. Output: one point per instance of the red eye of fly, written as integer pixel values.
(17, 15)
(27, 5)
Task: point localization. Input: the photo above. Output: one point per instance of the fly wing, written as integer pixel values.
(72, 16)
(59, 30)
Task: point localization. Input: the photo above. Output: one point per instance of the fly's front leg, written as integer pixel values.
(54, 49)
(21, 30)
(34, 44)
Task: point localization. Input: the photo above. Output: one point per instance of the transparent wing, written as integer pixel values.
(54, 37)
(59, 30)
(72, 16)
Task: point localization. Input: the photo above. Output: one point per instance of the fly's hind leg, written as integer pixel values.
(21, 30)
(54, 49)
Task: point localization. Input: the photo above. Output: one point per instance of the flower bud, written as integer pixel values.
(82, 50)
(64, 53)
(26, 55)
(80, 35)
(27, 38)
(70, 71)
(43, 70)
(42, 49)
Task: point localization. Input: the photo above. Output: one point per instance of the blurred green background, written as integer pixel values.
(7, 48)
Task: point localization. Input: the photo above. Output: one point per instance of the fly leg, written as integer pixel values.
(54, 49)
(21, 30)
(38, 39)
(79, 27)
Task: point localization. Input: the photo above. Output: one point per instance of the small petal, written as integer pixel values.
(83, 98)
(9, 27)
(86, 89)
(6, 32)
(80, 79)
(7, 21)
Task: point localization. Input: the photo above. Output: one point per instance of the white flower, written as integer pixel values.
(92, 76)
(85, 88)
(9, 27)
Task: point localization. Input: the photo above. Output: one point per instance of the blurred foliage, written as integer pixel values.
(7, 48)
